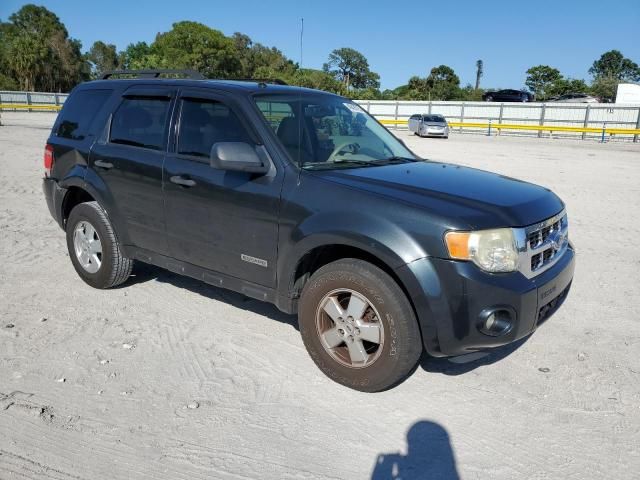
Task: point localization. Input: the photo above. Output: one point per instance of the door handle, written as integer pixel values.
(180, 180)
(103, 164)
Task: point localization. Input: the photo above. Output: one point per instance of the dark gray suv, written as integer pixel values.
(300, 198)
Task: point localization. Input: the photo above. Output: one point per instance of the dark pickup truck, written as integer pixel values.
(301, 198)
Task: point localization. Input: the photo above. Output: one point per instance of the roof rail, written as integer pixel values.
(192, 74)
(274, 81)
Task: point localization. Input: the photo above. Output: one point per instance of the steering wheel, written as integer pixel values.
(341, 146)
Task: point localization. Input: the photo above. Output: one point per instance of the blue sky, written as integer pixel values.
(400, 39)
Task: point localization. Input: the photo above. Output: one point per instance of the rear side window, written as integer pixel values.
(141, 122)
(79, 111)
(205, 122)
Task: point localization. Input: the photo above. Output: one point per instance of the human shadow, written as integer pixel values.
(466, 363)
(429, 456)
(143, 273)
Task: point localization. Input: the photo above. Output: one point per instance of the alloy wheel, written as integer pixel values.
(349, 328)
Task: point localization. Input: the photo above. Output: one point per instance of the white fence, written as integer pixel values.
(396, 113)
(576, 115)
(32, 98)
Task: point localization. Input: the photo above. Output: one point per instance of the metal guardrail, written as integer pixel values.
(34, 106)
(539, 128)
(578, 120)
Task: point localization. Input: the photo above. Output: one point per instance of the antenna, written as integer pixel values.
(300, 109)
(301, 39)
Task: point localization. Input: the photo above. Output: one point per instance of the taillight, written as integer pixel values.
(48, 160)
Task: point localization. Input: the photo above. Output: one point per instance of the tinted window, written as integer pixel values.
(141, 122)
(415, 117)
(79, 111)
(434, 118)
(203, 123)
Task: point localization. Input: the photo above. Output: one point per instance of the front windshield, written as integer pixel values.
(325, 131)
(434, 118)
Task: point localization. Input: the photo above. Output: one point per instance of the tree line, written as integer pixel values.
(37, 54)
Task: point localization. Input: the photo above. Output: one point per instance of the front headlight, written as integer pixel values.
(492, 250)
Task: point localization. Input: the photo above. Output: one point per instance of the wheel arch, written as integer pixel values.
(91, 188)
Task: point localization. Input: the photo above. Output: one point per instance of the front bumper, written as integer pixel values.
(451, 296)
(430, 132)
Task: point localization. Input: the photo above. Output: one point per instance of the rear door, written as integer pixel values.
(129, 161)
(224, 221)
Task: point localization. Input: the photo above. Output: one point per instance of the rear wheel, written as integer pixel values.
(358, 326)
(489, 98)
(93, 247)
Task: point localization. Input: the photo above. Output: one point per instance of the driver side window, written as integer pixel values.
(204, 122)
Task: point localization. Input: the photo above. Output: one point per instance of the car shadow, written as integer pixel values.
(465, 363)
(429, 456)
(143, 273)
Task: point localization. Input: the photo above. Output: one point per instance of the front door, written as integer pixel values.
(224, 221)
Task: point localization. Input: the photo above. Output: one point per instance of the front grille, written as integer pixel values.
(541, 245)
(538, 237)
(549, 247)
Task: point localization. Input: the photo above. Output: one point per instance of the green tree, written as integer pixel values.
(196, 46)
(541, 79)
(605, 88)
(137, 56)
(614, 65)
(318, 79)
(443, 83)
(259, 61)
(103, 58)
(351, 68)
(38, 53)
(567, 85)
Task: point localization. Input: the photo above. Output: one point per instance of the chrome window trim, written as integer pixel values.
(525, 252)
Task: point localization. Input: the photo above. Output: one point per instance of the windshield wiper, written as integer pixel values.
(352, 160)
(341, 163)
(391, 160)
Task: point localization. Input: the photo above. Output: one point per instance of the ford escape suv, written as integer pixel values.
(300, 198)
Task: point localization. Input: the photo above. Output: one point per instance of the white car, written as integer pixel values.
(574, 98)
(429, 125)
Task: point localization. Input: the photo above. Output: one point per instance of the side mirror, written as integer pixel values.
(238, 157)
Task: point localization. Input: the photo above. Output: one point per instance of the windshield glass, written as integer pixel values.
(324, 131)
(434, 118)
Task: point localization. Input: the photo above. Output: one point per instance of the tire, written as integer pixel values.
(385, 336)
(489, 98)
(94, 249)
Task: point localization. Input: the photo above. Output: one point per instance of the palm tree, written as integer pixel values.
(479, 72)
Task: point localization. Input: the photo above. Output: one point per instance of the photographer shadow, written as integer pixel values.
(429, 456)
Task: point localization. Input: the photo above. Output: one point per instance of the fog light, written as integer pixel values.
(496, 322)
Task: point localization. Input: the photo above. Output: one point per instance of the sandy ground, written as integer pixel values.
(170, 378)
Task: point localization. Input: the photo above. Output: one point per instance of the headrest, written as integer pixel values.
(289, 132)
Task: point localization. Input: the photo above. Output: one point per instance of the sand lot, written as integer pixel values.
(170, 378)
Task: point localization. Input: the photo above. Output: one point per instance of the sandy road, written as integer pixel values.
(170, 378)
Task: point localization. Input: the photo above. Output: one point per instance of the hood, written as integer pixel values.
(478, 198)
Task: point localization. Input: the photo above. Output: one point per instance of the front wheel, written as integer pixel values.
(93, 247)
(358, 326)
